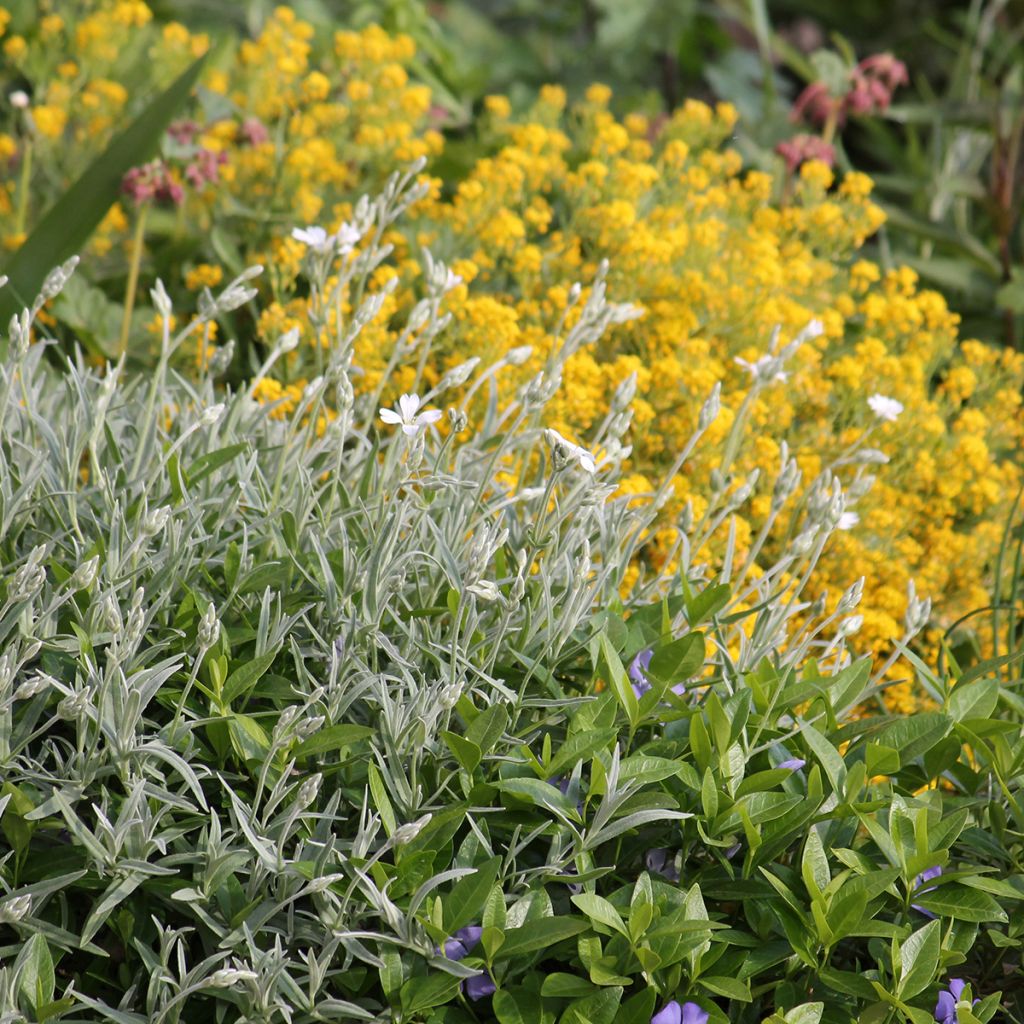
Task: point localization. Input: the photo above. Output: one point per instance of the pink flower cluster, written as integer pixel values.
(805, 147)
(152, 181)
(199, 166)
(870, 87)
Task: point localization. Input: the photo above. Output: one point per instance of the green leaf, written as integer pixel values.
(466, 752)
(914, 735)
(381, 801)
(466, 900)
(516, 1006)
(34, 968)
(919, 960)
(540, 933)
(212, 461)
(334, 737)
(814, 864)
(677, 661)
(66, 227)
(806, 1013)
(731, 988)
(962, 904)
(598, 909)
(246, 676)
(435, 989)
(618, 680)
(486, 729)
(599, 1008)
(708, 603)
(540, 794)
(830, 758)
(977, 700)
(248, 738)
(566, 986)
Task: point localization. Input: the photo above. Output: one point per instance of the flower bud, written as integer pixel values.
(84, 576)
(407, 833)
(711, 408)
(209, 628)
(485, 590)
(519, 355)
(211, 414)
(15, 909)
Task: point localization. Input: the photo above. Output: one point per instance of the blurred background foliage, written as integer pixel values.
(945, 155)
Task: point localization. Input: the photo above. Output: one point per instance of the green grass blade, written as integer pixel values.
(66, 227)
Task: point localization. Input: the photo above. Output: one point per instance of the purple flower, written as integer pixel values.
(479, 986)
(926, 876)
(638, 674)
(673, 1013)
(661, 862)
(794, 764)
(945, 1008)
(638, 671)
(460, 945)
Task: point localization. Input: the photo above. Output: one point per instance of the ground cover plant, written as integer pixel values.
(290, 127)
(311, 717)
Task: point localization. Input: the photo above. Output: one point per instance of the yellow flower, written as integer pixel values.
(203, 275)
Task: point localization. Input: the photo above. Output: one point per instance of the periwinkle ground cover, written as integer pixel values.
(281, 697)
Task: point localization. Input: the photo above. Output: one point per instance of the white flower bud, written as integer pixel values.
(161, 300)
(156, 521)
(19, 99)
(711, 408)
(211, 414)
(14, 910)
(289, 341)
(84, 576)
(850, 626)
(871, 457)
(457, 377)
(227, 977)
(485, 590)
(519, 355)
(624, 393)
(31, 687)
(851, 597)
(309, 789)
(209, 628)
(407, 833)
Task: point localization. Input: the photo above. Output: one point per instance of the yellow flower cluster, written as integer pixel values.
(718, 257)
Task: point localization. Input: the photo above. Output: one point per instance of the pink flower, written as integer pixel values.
(801, 148)
(254, 131)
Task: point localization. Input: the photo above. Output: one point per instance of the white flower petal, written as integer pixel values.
(411, 429)
(408, 404)
(390, 416)
(429, 416)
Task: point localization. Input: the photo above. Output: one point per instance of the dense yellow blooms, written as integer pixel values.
(717, 256)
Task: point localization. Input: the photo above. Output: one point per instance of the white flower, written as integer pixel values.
(314, 237)
(411, 421)
(848, 520)
(19, 99)
(347, 237)
(885, 408)
(765, 370)
(561, 448)
(452, 280)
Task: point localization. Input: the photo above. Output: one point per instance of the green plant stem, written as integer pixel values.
(23, 189)
(138, 240)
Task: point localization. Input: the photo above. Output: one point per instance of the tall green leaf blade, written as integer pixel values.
(68, 224)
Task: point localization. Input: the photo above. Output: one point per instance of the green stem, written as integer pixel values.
(138, 240)
(23, 189)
